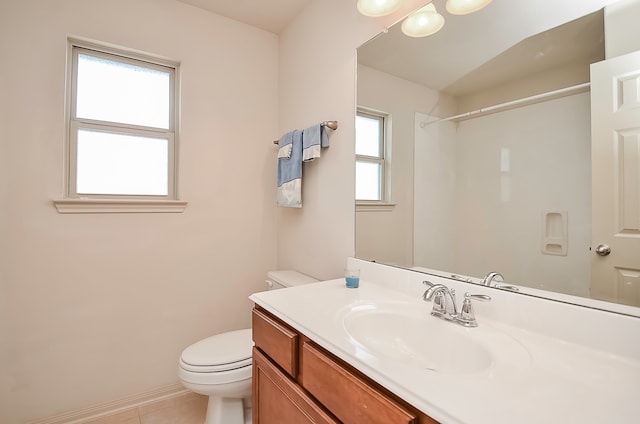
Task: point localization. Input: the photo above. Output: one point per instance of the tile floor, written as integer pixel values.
(189, 408)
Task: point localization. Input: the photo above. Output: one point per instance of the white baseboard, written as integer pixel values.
(110, 408)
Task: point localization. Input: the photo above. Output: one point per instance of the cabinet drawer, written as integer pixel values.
(277, 340)
(346, 395)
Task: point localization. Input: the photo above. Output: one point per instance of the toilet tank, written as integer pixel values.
(289, 278)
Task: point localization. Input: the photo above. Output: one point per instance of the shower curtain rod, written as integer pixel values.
(575, 89)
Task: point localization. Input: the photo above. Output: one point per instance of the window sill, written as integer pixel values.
(119, 206)
(375, 207)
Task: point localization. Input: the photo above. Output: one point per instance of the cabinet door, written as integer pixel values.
(278, 400)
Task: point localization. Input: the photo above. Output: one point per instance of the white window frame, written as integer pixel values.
(75, 202)
(382, 160)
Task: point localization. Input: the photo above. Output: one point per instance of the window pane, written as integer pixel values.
(108, 90)
(121, 164)
(368, 136)
(368, 181)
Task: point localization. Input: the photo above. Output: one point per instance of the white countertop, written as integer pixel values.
(533, 378)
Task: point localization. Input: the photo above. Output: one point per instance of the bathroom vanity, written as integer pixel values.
(326, 354)
(297, 381)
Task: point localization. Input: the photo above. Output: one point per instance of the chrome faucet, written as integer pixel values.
(490, 277)
(444, 304)
(439, 293)
(496, 277)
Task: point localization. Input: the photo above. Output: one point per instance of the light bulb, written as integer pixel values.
(375, 8)
(464, 7)
(426, 21)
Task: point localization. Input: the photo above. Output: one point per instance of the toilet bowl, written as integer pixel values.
(220, 366)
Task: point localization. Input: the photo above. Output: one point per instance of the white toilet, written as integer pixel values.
(220, 366)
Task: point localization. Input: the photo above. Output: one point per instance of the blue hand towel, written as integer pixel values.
(285, 144)
(313, 139)
(290, 172)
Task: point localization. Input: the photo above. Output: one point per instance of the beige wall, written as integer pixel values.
(4, 228)
(317, 82)
(97, 307)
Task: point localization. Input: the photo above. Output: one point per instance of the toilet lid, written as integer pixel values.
(221, 352)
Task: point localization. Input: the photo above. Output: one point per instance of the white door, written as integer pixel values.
(615, 152)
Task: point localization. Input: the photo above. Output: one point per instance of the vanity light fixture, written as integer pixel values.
(464, 7)
(376, 8)
(423, 22)
(426, 20)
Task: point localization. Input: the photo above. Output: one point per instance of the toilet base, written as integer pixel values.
(224, 411)
(227, 402)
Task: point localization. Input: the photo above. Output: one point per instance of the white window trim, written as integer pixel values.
(119, 206)
(80, 203)
(363, 206)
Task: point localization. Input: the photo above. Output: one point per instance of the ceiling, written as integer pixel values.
(269, 15)
(576, 44)
(503, 26)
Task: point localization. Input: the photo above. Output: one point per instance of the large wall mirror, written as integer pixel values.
(489, 162)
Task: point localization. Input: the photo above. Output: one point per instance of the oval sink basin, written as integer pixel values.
(407, 333)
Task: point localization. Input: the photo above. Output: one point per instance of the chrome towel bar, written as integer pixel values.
(329, 124)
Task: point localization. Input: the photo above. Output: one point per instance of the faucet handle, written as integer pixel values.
(466, 316)
(507, 287)
(482, 297)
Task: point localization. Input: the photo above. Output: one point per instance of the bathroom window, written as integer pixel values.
(370, 157)
(122, 125)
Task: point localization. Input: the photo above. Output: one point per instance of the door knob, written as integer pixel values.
(603, 249)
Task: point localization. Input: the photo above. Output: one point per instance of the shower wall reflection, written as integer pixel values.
(510, 171)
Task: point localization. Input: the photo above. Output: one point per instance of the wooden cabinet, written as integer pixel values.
(277, 399)
(296, 381)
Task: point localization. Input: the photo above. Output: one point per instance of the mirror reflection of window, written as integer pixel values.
(370, 157)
